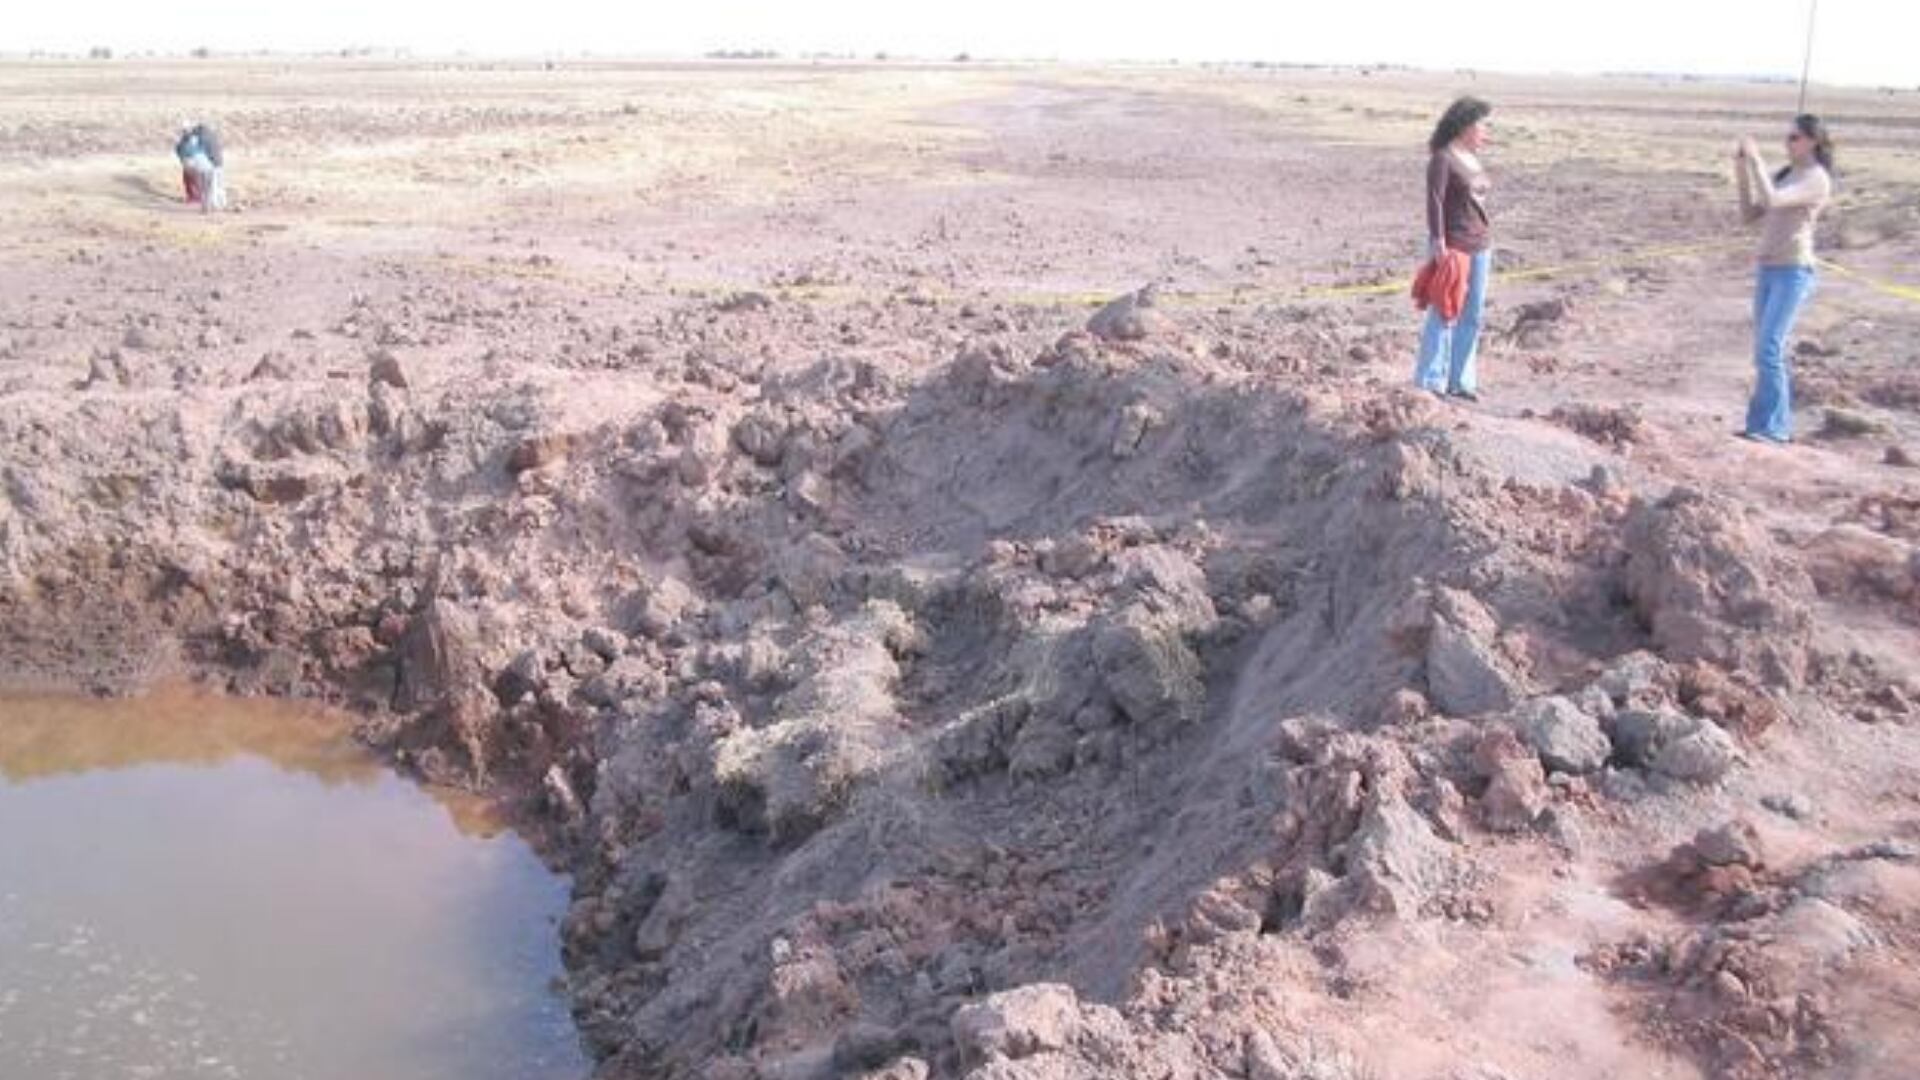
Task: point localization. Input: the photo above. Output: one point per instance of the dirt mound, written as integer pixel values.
(1709, 585)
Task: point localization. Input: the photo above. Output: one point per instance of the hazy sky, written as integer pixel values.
(1857, 41)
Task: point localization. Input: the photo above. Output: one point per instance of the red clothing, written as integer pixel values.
(1442, 284)
(191, 182)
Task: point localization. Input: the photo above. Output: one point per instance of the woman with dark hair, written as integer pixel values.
(1456, 222)
(1786, 203)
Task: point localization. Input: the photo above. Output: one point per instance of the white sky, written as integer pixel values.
(1875, 42)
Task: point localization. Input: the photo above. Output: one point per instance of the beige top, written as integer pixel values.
(1789, 208)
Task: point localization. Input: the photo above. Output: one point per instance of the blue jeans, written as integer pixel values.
(1777, 298)
(1448, 352)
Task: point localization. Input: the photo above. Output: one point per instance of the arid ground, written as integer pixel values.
(924, 675)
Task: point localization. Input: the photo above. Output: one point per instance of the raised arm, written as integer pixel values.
(1810, 189)
(1750, 211)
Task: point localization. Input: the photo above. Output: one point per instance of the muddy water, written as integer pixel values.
(192, 887)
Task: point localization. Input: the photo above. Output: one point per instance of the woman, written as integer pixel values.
(1787, 202)
(1456, 221)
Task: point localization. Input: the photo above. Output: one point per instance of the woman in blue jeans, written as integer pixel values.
(1786, 203)
(1457, 187)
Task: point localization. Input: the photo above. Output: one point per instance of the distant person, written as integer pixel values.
(202, 166)
(1786, 203)
(1457, 186)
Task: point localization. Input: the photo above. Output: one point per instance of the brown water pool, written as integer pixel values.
(196, 887)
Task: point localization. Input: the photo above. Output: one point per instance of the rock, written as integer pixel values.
(1702, 755)
(538, 452)
(1148, 668)
(1609, 425)
(1736, 843)
(1515, 797)
(606, 644)
(906, 1068)
(1845, 424)
(1465, 675)
(441, 678)
(808, 994)
(560, 795)
(1567, 739)
(1135, 421)
(865, 1046)
(762, 437)
(789, 776)
(1635, 680)
(657, 607)
(1394, 860)
(1074, 557)
(1710, 585)
(1017, 1023)
(524, 676)
(665, 918)
(747, 300)
(1131, 317)
(1790, 805)
(1850, 561)
(1898, 457)
(1815, 935)
(439, 653)
(1516, 791)
(1673, 744)
(384, 367)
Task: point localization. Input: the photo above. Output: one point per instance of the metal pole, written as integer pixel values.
(1806, 64)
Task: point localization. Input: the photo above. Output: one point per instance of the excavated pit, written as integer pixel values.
(857, 697)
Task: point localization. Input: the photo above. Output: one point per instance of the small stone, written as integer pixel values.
(1796, 807)
(608, 644)
(1131, 317)
(537, 452)
(1898, 457)
(1736, 843)
(384, 367)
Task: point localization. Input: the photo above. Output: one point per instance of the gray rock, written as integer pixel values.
(1131, 317)
(1789, 805)
(1395, 860)
(1673, 744)
(1701, 755)
(762, 437)
(1465, 677)
(1632, 678)
(1017, 1023)
(1736, 843)
(607, 644)
(1148, 669)
(1567, 739)
(865, 1046)
(1637, 734)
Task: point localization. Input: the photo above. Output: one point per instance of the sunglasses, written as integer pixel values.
(1796, 136)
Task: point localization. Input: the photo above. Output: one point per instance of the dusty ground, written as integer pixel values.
(717, 460)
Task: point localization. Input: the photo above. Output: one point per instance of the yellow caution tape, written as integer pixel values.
(1170, 297)
(1889, 288)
